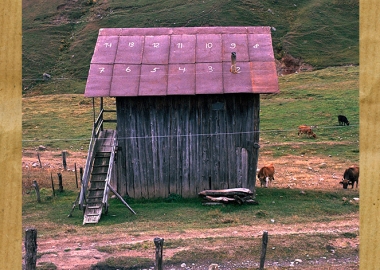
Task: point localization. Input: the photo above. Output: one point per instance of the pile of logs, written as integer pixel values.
(226, 196)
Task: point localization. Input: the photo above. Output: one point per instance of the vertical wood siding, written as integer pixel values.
(186, 144)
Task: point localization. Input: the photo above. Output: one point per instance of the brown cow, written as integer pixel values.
(303, 129)
(266, 175)
(350, 176)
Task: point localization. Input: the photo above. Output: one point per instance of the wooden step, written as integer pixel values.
(94, 197)
(93, 207)
(98, 173)
(96, 189)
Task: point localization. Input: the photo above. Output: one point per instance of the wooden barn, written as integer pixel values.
(187, 110)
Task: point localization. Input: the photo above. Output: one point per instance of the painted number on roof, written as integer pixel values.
(101, 70)
(208, 45)
(131, 44)
(180, 45)
(233, 45)
(256, 46)
(108, 45)
(156, 45)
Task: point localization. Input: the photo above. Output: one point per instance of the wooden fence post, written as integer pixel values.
(39, 159)
(60, 182)
(37, 188)
(76, 173)
(263, 249)
(52, 184)
(81, 175)
(64, 160)
(30, 249)
(159, 243)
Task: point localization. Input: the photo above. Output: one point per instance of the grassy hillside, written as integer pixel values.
(59, 36)
(312, 98)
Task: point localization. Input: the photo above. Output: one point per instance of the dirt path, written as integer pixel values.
(301, 172)
(80, 252)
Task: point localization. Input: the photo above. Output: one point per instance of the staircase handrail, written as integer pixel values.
(97, 127)
(109, 171)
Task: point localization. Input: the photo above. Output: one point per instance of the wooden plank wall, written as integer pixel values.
(186, 144)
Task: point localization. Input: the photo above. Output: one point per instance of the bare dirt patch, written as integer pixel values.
(296, 172)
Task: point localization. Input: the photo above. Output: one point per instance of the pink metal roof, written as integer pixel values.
(181, 61)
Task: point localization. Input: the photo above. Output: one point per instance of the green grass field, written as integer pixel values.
(59, 36)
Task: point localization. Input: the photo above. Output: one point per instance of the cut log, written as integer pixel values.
(227, 192)
(220, 199)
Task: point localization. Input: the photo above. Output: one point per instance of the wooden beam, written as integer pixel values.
(10, 154)
(369, 83)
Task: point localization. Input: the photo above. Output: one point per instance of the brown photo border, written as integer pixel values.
(11, 134)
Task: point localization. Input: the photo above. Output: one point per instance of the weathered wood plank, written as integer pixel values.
(227, 192)
(201, 143)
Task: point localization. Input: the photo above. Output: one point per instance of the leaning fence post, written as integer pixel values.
(263, 249)
(60, 182)
(52, 183)
(159, 243)
(30, 249)
(64, 160)
(37, 188)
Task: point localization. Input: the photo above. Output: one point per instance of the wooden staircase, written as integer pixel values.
(97, 193)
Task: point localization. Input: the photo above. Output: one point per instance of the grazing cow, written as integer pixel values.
(265, 175)
(350, 176)
(343, 120)
(303, 129)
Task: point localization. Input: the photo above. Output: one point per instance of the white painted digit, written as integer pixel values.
(108, 45)
(237, 69)
(233, 45)
(131, 44)
(210, 69)
(128, 69)
(155, 69)
(180, 45)
(101, 70)
(156, 45)
(256, 46)
(208, 45)
(182, 69)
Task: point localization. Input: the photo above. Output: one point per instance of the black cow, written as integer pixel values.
(350, 176)
(343, 120)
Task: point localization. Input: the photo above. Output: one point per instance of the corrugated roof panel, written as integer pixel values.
(125, 80)
(239, 82)
(146, 31)
(209, 78)
(182, 49)
(264, 77)
(109, 31)
(156, 50)
(181, 79)
(105, 50)
(99, 80)
(260, 48)
(209, 48)
(130, 50)
(153, 80)
(149, 61)
(235, 43)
